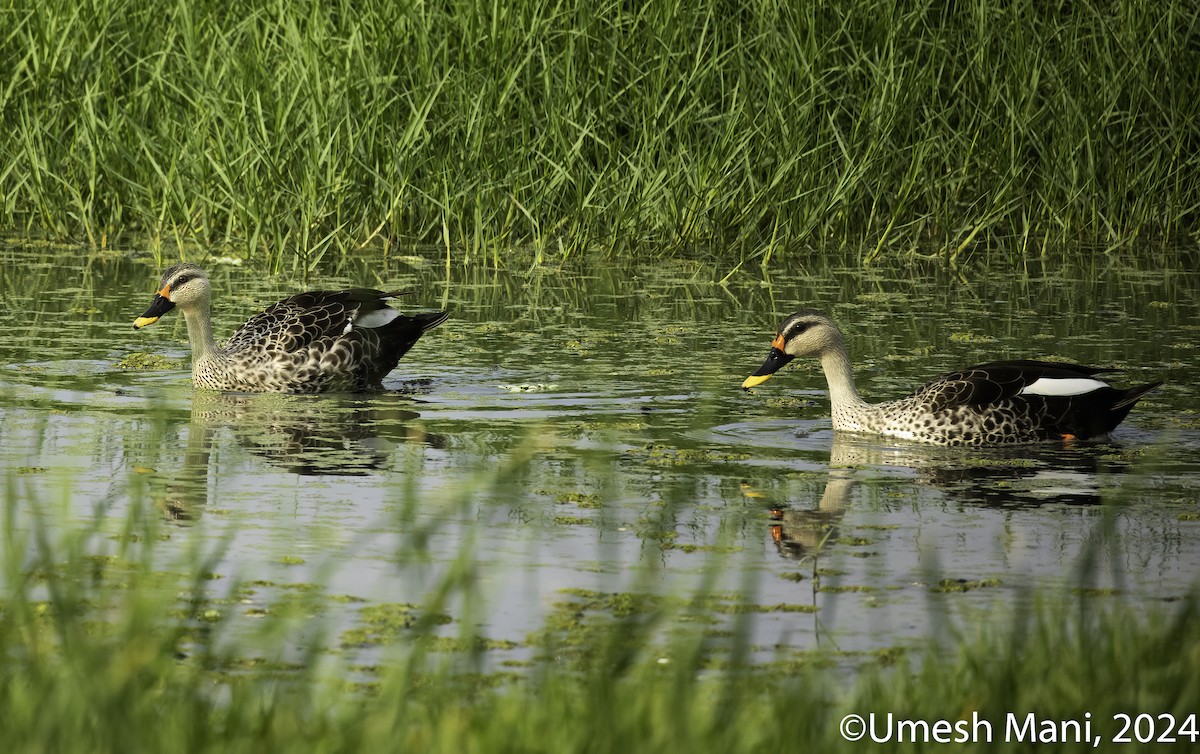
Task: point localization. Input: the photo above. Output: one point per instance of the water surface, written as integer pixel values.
(577, 431)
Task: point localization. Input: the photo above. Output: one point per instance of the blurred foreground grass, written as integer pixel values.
(102, 649)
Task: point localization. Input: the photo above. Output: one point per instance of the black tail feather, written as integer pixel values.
(429, 320)
(1134, 394)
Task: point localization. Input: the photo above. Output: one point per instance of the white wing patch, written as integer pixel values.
(377, 318)
(1063, 386)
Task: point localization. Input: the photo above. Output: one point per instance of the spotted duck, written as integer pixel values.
(313, 342)
(998, 403)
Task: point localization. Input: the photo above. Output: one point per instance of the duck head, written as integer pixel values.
(808, 332)
(184, 285)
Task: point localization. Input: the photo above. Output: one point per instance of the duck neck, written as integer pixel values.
(200, 335)
(843, 395)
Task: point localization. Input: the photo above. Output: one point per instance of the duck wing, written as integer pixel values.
(998, 381)
(299, 321)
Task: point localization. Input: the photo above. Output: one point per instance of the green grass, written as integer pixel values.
(293, 131)
(107, 654)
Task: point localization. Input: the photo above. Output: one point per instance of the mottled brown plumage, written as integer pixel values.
(313, 342)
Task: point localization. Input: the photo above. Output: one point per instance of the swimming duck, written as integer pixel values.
(999, 403)
(312, 342)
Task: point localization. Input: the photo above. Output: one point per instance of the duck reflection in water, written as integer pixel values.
(346, 435)
(799, 532)
(1031, 476)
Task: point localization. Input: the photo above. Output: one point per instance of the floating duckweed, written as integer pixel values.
(989, 463)
(385, 622)
(847, 588)
(581, 499)
(789, 401)
(854, 541)
(574, 521)
(666, 455)
(291, 560)
(964, 585)
(965, 337)
(627, 603)
(589, 594)
(739, 608)
(144, 362)
(652, 530)
(473, 644)
(1184, 419)
(699, 548)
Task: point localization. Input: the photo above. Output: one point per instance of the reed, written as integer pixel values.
(294, 131)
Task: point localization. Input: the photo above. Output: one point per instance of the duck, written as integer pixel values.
(313, 342)
(997, 403)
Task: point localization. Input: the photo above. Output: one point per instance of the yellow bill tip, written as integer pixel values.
(755, 379)
(141, 322)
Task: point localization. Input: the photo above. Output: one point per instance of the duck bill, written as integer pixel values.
(159, 307)
(776, 360)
